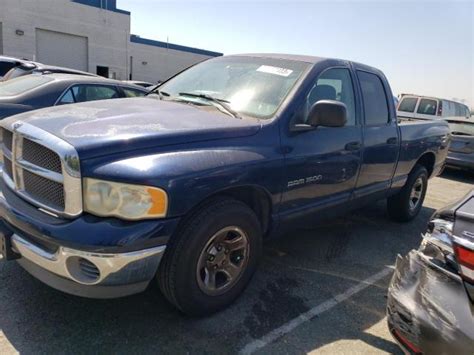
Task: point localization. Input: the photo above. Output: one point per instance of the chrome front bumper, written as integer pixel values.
(89, 269)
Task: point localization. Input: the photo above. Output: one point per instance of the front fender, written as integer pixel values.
(190, 176)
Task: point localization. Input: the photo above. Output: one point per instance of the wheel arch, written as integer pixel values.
(256, 197)
(427, 160)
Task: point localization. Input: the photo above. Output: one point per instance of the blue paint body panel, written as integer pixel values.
(195, 153)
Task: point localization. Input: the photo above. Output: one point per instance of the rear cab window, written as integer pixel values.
(374, 99)
(22, 84)
(408, 104)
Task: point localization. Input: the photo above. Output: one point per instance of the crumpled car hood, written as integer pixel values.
(111, 126)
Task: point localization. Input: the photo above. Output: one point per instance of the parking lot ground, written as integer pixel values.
(318, 290)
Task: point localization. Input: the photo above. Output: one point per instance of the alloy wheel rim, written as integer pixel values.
(415, 194)
(223, 260)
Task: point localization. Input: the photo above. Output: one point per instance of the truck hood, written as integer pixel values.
(113, 126)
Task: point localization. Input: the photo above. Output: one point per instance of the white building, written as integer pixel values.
(90, 35)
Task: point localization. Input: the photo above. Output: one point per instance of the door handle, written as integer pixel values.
(392, 140)
(352, 146)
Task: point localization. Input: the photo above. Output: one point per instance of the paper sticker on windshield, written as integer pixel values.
(275, 70)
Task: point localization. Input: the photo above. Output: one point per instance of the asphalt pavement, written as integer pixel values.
(320, 289)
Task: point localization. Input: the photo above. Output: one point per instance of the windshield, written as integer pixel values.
(22, 84)
(461, 128)
(248, 85)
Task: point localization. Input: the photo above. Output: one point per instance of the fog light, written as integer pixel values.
(82, 270)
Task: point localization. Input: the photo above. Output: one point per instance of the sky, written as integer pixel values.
(423, 47)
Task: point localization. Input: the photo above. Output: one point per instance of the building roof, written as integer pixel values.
(177, 47)
(110, 5)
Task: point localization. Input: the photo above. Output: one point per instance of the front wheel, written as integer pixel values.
(212, 258)
(407, 203)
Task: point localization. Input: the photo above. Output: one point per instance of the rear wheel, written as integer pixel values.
(407, 203)
(212, 258)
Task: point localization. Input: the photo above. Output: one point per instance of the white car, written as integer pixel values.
(428, 108)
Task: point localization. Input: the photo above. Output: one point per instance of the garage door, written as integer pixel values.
(62, 49)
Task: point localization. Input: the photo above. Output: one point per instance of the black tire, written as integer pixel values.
(177, 274)
(399, 207)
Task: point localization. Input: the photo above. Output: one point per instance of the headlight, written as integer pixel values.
(105, 198)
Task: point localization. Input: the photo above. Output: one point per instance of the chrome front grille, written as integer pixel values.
(7, 139)
(8, 167)
(41, 156)
(42, 169)
(45, 191)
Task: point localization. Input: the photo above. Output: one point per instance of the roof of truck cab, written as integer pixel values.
(295, 57)
(307, 59)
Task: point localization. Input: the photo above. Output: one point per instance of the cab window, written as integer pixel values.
(68, 98)
(132, 92)
(83, 93)
(408, 104)
(374, 98)
(334, 84)
(427, 107)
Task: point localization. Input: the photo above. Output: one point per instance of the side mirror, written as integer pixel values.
(328, 113)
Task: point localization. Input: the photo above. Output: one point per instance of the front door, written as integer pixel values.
(322, 164)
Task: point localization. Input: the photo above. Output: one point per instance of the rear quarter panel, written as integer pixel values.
(419, 138)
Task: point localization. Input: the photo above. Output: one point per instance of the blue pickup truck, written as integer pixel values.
(181, 187)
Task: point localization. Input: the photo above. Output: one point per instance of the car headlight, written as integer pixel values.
(126, 201)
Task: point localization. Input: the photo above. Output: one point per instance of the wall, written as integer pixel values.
(108, 32)
(153, 60)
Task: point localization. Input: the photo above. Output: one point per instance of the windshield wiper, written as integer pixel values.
(159, 92)
(223, 104)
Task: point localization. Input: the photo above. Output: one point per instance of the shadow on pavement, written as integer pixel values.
(298, 272)
(459, 175)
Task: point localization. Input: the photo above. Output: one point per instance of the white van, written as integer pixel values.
(428, 108)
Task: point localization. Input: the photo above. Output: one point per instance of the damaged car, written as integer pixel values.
(431, 296)
(461, 149)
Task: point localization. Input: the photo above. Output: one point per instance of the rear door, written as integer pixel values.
(427, 109)
(381, 136)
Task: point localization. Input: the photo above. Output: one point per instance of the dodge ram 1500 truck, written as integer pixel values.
(100, 199)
